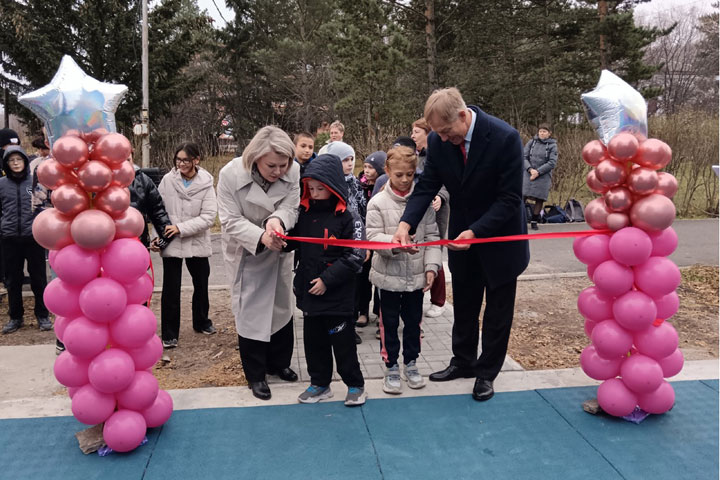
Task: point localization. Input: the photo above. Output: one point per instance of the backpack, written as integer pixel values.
(555, 214)
(574, 209)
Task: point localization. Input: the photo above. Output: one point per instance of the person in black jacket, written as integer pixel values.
(145, 196)
(325, 281)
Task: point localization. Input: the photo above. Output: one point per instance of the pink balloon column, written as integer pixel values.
(633, 348)
(101, 286)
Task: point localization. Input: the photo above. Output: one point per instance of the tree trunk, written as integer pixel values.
(431, 42)
(602, 13)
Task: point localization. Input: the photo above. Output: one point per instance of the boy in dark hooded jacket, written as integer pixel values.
(325, 281)
(18, 244)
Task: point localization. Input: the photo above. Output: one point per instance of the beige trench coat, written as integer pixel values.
(261, 282)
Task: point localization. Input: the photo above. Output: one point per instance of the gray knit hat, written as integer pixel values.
(377, 161)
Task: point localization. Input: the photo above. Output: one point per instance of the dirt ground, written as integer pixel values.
(547, 331)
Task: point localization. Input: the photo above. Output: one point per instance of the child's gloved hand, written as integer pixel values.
(318, 287)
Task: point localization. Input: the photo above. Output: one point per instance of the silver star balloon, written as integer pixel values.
(614, 107)
(74, 100)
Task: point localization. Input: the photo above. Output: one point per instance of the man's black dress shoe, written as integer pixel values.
(483, 390)
(260, 390)
(451, 373)
(286, 374)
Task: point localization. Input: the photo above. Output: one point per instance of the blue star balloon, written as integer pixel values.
(74, 100)
(614, 107)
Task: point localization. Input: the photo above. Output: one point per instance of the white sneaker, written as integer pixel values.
(435, 311)
(412, 376)
(391, 382)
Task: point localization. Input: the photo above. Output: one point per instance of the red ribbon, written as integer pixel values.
(370, 245)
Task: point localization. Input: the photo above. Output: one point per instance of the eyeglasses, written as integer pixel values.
(186, 161)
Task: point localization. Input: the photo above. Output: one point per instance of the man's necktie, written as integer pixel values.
(462, 149)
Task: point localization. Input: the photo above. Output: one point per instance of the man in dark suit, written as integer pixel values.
(479, 159)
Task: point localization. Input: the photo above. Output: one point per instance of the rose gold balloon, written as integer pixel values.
(93, 136)
(112, 149)
(113, 200)
(594, 184)
(618, 199)
(611, 173)
(123, 175)
(642, 180)
(94, 176)
(653, 213)
(616, 221)
(93, 229)
(73, 132)
(593, 152)
(70, 199)
(51, 174)
(653, 154)
(667, 184)
(623, 146)
(70, 151)
(596, 213)
(130, 224)
(51, 229)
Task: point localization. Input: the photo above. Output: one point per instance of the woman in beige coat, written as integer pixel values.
(189, 197)
(258, 195)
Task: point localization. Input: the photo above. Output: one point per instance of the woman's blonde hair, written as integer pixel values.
(444, 106)
(268, 139)
(400, 155)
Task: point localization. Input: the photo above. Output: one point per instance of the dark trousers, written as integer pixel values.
(470, 284)
(437, 291)
(16, 251)
(394, 305)
(363, 291)
(199, 268)
(260, 357)
(325, 336)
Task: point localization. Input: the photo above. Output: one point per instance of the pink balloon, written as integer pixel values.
(62, 298)
(72, 390)
(667, 305)
(103, 300)
(113, 200)
(642, 181)
(147, 356)
(129, 224)
(659, 401)
(618, 199)
(124, 174)
(589, 327)
(667, 184)
(611, 173)
(598, 367)
(664, 242)
(594, 184)
(630, 246)
(69, 199)
(124, 430)
(613, 278)
(654, 154)
(611, 340)
(596, 213)
(657, 342)
(159, 412)
(592, 250)
(140, 290)
(92, 137)
(51, 174)
(641, 374)
(125, 260)
(658, 276)
(92, 407)
(111, 371)
(76, 265)
(134, 327)
(615, 398)
(70, 370)
(70, 151)
(672, 364)
(141, 392)
(85, 338)
(51, 258)
(93, 229)
(94, 176)
(112, 149)
(593, 152)
(594, 304)
(617, 221)
(652, 213)
(60, 325)
(635, 311)
(623, 146)
(51, 229)
(591, 271)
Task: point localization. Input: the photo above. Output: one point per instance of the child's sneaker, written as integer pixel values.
(355, 396)
(314, 394)
(391, 382)
(412, 376)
